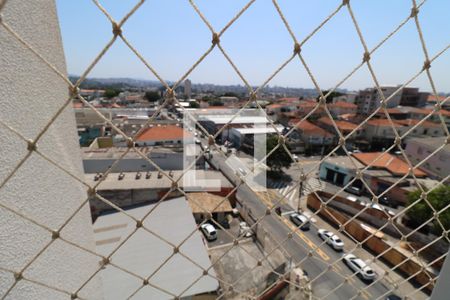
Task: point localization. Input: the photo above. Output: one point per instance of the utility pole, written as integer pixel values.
(300, 192)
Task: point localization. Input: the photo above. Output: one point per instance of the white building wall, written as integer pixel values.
(30, 94)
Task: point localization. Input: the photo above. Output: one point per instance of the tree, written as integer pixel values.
(331, 96)
(230, 94)
(279, 158)
(152, 96)
(111, 93)
(421, 212)
(216, 103)
(194, 104)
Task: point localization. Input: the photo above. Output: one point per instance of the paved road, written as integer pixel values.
(325, 279)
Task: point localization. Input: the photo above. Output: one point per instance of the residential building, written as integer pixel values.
(369, 100)
(164, 135)
(340, 108)
(348, 97)
(145, 252)
(432, 100)
(316, 139)
(412, 97)
(380, 132)
(187, 89)
(344, 127)
(382, 171)
(436, 166)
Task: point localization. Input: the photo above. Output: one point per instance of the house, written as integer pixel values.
(164, 135)
(344, 127)
(341, 108)
(144, 252)
(381, 171)
(432, 100)
(437, 166)
(316, 139)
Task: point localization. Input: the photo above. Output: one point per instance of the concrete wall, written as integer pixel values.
(30, 94)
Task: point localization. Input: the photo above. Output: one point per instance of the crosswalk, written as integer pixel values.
(290, 190)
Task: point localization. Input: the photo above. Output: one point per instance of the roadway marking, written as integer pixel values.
(310, 243)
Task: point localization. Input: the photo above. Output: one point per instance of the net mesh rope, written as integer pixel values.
(280, 241)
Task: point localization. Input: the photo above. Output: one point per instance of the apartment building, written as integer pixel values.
(419, 149)
(369, 99)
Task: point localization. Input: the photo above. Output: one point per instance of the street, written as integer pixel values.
(329, 282)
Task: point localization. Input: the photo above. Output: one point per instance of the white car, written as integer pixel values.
(358, 266)
(332, 239)
(209, 231)
(300, 220)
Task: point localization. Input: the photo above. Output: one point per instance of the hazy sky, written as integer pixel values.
(171, 36)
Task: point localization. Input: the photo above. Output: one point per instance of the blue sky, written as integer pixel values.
(171, 36)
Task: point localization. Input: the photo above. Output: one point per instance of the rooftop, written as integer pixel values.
(310, 128)
(344, 161)
(342, 104)
(143, 252)
(382, 122)
(129, 181)
(206, 202)
(432, 142)
(163, 133)
(413, 122)
(387, 161)
(341, 125)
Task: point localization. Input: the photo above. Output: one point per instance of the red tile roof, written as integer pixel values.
(387, 161)
(163, 133)
(427, 111)
(343, 104)
(289, 99)
(382, 122)
(310, 128)
(342, 125)
(432, 98)
(413, 122)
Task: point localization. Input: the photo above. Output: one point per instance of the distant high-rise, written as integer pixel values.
(187, 88)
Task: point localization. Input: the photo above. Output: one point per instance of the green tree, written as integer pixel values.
(421, 212)
(111, 93)
(331, 96)
(152, 96)
(194, 104)
(279, 158)
(216, 103)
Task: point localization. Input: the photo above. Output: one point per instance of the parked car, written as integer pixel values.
(332, 239)
(209, 231)
(358, 266)
(388, 202)
(300, 221)
(354, 190)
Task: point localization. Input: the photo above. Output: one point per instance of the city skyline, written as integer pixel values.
(331, 55)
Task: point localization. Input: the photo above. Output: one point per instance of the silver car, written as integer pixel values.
(358, 266)
(331, 239)
(300, 220)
